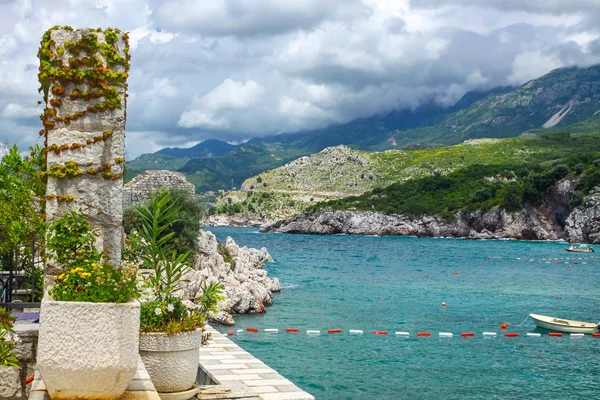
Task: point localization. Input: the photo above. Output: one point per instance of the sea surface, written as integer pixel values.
(398, 284)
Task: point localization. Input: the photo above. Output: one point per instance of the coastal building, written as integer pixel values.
(140, 187)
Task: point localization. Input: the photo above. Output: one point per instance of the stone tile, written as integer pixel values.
(223, 357)
(264, 389)
(253, 370)
(287, 396)
(38, 385)
(234, 360)
(269, 382)
(209, 362)
(217, 352)
(226, 366)
(237, 377)
(271, 375)
(39, 396)
(141, 374)
(140, 396)
(140, 385)
(288, 388)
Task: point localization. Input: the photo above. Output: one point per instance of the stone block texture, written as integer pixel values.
(142, 186)
(97, 197)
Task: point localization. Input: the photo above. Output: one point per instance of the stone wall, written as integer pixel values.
(142, 186)
(12, 380)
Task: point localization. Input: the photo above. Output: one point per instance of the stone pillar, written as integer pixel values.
(84, 78)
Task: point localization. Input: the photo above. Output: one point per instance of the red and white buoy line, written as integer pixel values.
(408, 334)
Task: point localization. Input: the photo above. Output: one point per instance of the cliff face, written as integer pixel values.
(246, 285)
(527, 224)
(583, 224)
(546, 222)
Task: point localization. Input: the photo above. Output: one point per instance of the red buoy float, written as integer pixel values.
(443, 304)
(421, 334)
(504, 325)
(379, 332)
(252, 329)
(467, 334)
(511, 334)
(595, 334)
(555, 334)
(334, 331)
(229, 333)
(292, 329)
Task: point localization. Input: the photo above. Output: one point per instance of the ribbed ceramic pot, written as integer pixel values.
(171, 360)
(88, 350)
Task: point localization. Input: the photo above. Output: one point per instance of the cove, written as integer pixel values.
(398, 284)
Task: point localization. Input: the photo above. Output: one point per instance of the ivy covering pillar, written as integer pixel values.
(83, 75)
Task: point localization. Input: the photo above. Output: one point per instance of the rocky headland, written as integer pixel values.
(552, 221)
(246, 286)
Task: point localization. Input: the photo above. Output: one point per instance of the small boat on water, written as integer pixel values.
(582, 248)
(563, 325)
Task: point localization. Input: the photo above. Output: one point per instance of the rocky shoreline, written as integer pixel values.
(226, 220)
(247, 287)
(552, 221)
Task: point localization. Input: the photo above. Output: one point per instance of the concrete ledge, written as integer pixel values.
(225, 363)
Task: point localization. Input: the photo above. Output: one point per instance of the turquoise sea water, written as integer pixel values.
(398, 284)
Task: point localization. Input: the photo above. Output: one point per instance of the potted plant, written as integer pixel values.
(89, 319)
(171, 335)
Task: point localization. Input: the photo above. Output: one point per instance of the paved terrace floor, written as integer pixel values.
(226, 363)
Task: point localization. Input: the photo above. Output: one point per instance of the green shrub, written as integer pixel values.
(227, 257)
(576, 199)
(513, 197)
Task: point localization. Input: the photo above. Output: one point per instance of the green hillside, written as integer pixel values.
(564, 99)
(506, 182)
(415, 177)
(560, 98)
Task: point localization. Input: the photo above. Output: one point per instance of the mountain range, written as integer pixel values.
(564, 99)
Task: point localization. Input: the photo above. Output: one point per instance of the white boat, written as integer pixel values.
(563, 325)
(582, 248)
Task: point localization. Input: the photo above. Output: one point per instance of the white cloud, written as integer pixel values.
(235, 69)
(530, 65)
(17, 111)
(215, 109)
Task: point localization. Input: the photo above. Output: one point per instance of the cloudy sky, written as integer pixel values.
(236, 69)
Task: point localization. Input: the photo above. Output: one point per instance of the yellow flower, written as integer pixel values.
(87, 261)
(94, 265)
(76, 270)
(85, 275)
(61, 277)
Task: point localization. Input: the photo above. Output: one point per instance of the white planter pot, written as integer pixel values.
(171, 360)
(88, 350)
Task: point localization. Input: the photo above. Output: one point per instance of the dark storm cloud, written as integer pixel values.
(236, 69)
(257, 17)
